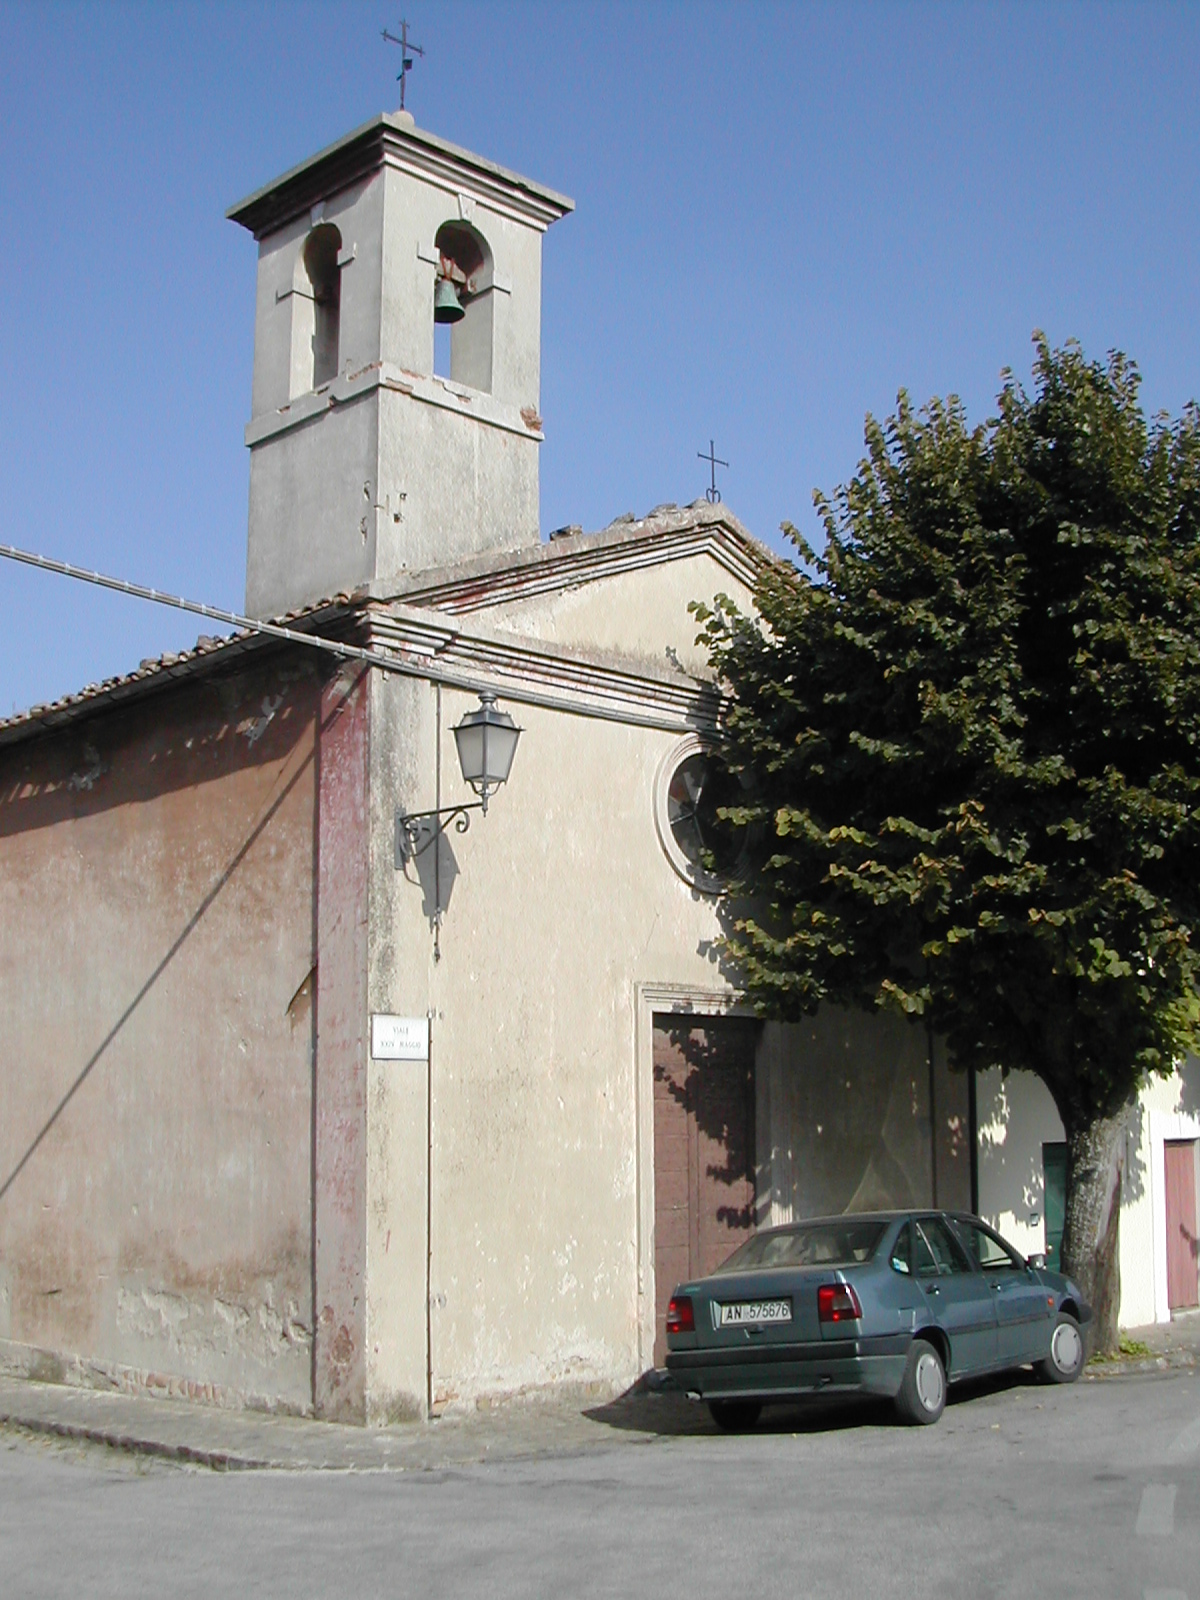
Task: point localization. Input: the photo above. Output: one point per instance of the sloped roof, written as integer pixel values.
(160, 672)
(569, 557)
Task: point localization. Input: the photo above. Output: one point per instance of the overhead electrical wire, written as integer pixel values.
(232, 619)
(422, 667)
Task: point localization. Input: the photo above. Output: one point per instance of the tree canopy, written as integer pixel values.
(971, 729)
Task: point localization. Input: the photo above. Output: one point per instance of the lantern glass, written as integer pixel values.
(487, 743)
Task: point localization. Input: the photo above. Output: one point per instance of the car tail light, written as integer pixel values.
(680, 1316)
(836, 1302)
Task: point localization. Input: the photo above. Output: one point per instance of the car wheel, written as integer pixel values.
(922, 1396)
(735, 1415)
(1065, 1361)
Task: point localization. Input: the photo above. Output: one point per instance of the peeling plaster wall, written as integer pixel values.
(556, 907)
(559, 909)
(156, 1008)
(340, 1110)
(528, 1137)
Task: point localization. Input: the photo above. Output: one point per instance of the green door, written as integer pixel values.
(1054, 1169)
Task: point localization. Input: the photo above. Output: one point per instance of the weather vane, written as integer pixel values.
(406, 61)
(712, 493)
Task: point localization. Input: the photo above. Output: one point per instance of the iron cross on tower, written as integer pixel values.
(406, 61)
(714, 461)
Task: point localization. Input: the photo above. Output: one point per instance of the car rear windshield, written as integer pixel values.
(810, 1244)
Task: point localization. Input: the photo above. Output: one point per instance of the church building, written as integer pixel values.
(368, 1048)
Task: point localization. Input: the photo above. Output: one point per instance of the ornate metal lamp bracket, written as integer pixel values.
(417, 830)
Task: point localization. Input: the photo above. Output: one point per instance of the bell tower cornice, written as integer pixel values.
(393, 140)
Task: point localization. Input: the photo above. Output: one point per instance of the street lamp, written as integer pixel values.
(487, 742)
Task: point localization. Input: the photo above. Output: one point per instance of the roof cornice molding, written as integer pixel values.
(529, 672)
(393, 140)
(587, 558)
(524, 671)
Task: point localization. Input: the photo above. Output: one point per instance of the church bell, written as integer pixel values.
(447, 307)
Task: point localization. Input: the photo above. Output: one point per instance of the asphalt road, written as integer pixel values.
(1018, 1491)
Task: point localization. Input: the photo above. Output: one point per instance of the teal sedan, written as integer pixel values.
(898, 1304)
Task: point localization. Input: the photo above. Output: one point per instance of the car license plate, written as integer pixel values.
(744, 1311)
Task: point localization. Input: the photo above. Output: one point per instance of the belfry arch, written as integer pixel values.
(465, 261)
(316, 310)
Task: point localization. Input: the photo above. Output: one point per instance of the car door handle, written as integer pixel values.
(931, 1288)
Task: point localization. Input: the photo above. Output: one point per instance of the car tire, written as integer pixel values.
(735, 1416)
(1067, 1354)
(922, 1396)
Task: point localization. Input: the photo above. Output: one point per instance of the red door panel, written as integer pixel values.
(1181, 1222)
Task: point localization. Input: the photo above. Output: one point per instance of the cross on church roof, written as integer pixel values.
(714, 461)
(406, 61)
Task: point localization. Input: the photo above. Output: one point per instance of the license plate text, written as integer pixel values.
(744, 1311)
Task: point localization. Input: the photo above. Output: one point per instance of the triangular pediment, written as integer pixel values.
(623, 591)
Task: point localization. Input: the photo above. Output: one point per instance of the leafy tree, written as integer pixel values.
(971, 734)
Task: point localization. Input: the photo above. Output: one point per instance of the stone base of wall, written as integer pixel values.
(564, 1391)
(87, 1372)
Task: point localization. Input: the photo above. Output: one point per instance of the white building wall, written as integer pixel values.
(561, 910)
(1169, 1110)
(1015, 1115)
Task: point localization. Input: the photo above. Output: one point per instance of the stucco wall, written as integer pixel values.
(312, 527)
(1016, 1115)
(156, 977)
(1167, 1108)
(558, 909)
(642, 613)
(450, 482)
(528, 1136)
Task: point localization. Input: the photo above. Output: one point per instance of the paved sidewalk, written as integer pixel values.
(1153, 1348)
(210, 1436)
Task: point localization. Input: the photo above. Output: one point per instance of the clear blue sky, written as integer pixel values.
(785, 213)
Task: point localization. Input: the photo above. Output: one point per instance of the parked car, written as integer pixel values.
(887, 1303)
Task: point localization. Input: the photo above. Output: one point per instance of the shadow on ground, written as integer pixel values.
(667, 1412)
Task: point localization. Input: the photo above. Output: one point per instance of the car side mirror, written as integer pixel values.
(1037, 1259)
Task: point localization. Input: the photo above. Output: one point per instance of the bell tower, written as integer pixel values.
(364, 463)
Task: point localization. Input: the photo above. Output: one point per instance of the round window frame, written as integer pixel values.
(692, 873)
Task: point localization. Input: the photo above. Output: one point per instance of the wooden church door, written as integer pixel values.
(704, 1162)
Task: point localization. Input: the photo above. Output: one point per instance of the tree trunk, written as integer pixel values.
(1091, 1227)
